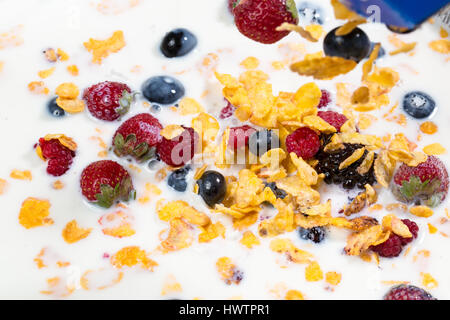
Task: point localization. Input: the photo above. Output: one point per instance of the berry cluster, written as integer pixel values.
(59, 157)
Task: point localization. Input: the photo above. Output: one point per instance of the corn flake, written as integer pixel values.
(349, 27)
(323, 68)
(171, 131)
(211, 231)
(292, 253)
(434, 149)
(101, 49)
(249, 239)
(189, 106)
(250, 63)
(441, 46)
(406, 47)
(21, 175)
(294, 295)
(285, 26)
(421, 211)
(228, 271)
(179, 236)
(73, 233)
(355, 156)
(67, 142)
(333, 278)
(34, 213)
(132, 256)
(313, 272)
(428, 127)
(70, 105)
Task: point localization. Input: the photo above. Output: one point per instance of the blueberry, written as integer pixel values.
(54, 109)
(418, 104)
(177, 179)
(315, 234)
(178, 43)
(381, 52)
(353, 46)
(310, 13)
(262, 141)
(162, 89)
(212, 187)
(279, 193)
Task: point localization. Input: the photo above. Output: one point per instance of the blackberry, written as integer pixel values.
(349, 178)
(315, 234)
(279, 193)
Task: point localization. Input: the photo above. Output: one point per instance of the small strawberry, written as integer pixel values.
(239, 136)
(108, 100)
(105, 182)
(425, 184)
(179, 150)
(138, 137)
(232, 4)
(259, 19)
(59, 157)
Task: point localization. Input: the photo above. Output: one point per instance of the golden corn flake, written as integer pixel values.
(367, 197)
(356, 155)
(317, 123)
(34, 213)
(181, 209)
(67, 90)
(307, 98)
(100, 49)
(421, 211)
(3, 185)
(70, 105)
(370, 141)
(306, 173)
(64, 140)
(50, 55)
(245, 221)
(349, 27)
(189, 106)
(62, 55)
(38, 87)
(333, 278)
(282, 222)
(428, 281)
(341, 12)
(294, 295)
(46, 73)
(211, 231)
(170, 286)
(441, 46)
(123, 230)
(179, 236)
(250, 63)
(304, 195)
(313, 272)
(249, 239)
(365, 166)
(406, 47)
(392, 223)
(361, 95)
(432, 229)
(73, 70)
(285, 26)
(428, 127)
(171, 131)
(117, 224)
(434, 149)
(207, 128)
(316, 30)
(132, 256)
(21, 175)
(292, 253)
(384, 77)
(228, 271)
(73, 233)
(359, 242)
(323, 68)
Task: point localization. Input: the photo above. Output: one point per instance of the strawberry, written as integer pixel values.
(232, 4)
(258, 19)
(179, 150)
(426, 184)
(138, 137)
(108, 100)
(59, 157)
(106, 181)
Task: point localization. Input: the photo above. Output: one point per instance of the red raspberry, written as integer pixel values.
(407, 292)
(106, 181)
(413, 228)
(138, 137)
(258, 19)
(304, 142)
(59, 157)
(391, 248)
(325, 99)
(239, 136)
(179, 150)
(108, 100)
(227, 111)
(427, 183)
(334, 118)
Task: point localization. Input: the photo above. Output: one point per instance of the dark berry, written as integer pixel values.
(163, 90)
(353, 46)
(177, 179)
(315, 234)
(418, 104)
(262, 141)
(325, 99)
(178, 43)
(407, 292)
(349, 177)
(381, 52)
(212, 187)
(279, 193)
(310, 13)
(55, 110)
(304, 142)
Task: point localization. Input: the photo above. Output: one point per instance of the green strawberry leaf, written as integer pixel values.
(292, 8)
(106, 196)
(125, 102)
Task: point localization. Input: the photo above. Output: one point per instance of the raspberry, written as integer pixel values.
(304, 142)
(407, 292)
(227, 111)
(239, 136)
(413, 228)
(59, 157)
(325, 99)
(391, 248)
(426, 183)
(179, 150)
(333, 118)
(108, 100)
